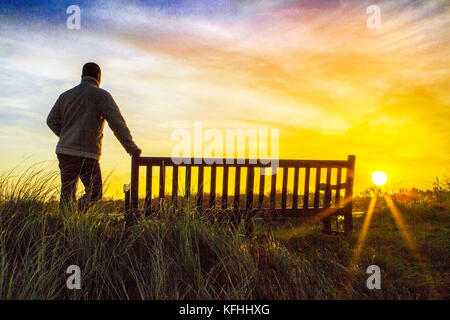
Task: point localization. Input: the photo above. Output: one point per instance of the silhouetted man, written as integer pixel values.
(78, 118)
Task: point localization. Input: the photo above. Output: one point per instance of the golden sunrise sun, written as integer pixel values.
(379, 178)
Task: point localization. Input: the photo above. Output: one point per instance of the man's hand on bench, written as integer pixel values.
(136, 153)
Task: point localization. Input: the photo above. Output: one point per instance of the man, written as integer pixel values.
(78, 118)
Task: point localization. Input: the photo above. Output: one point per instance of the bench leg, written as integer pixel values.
(348, 222)
(130, 214)
(327, 225)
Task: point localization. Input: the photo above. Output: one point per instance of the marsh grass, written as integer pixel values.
(190, 255)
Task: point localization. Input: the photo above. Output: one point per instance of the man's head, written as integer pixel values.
(93, 70)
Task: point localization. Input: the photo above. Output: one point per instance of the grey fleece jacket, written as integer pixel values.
(78, 118)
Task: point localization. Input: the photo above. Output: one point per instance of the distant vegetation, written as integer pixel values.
(187, 255)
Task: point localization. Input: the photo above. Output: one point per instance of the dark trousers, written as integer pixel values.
(88, 170)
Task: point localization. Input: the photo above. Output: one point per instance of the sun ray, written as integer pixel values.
(410, 242)
(365, 228)
(316, 218)
(327, 212)
(400, 223)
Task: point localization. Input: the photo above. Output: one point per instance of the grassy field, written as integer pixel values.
(197, 256)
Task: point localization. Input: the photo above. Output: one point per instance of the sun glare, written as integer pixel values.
(379, 178)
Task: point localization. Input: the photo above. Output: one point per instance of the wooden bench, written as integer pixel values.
(318, 199)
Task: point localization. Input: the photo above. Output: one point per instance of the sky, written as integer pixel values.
(311, 69)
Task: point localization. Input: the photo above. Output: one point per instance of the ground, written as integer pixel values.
(190, 255)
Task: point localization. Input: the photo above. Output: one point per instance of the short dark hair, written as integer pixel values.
(91, 69)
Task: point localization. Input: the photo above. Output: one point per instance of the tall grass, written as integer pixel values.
(178, 255)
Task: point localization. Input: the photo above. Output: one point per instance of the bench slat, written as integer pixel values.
(200, 188)
(295, 190)
(306, 192)
(273, 189)
(225, 187)
(284, 188)
(337, 198)
(237, 187)
(262, 181)
(187, 182)
(212, 190)
(249, 188)
(175, 185)
(301, 163)
(317, 189)
(148, 191)
(162, 182)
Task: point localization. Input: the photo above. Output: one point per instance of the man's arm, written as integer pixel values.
(54, 120)
(110, 111)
